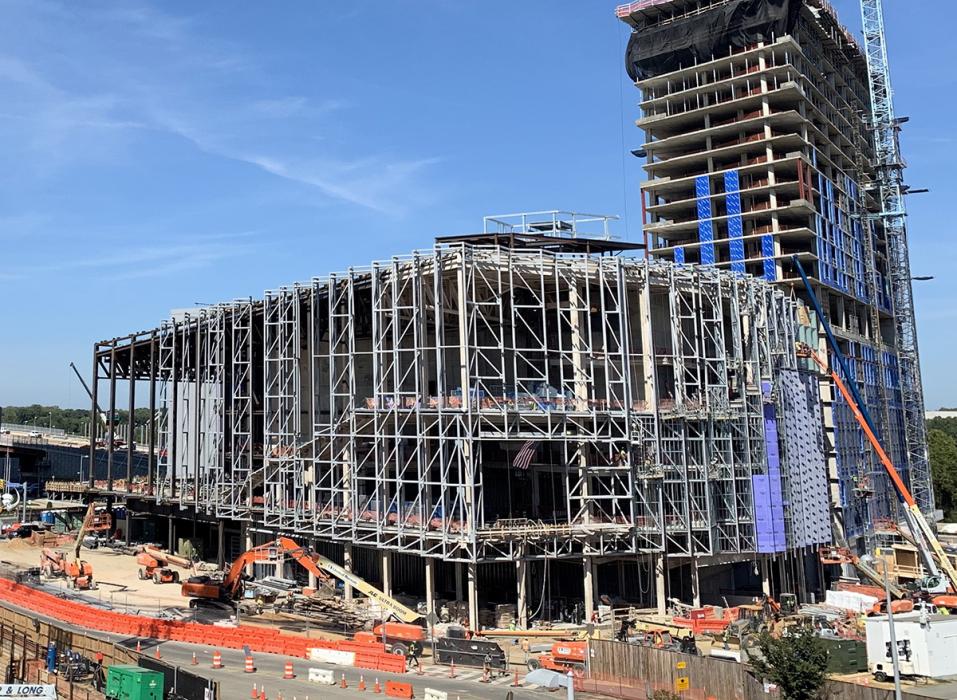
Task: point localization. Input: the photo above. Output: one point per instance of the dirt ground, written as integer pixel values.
(119, 587)
(114, 573)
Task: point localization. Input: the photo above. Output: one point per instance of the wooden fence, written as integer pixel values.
(634, 672)
(649, 669)
(24, 640)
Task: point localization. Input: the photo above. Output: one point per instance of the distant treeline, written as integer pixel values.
(72, 420)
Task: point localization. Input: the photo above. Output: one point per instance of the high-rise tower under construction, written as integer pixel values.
(758, 147)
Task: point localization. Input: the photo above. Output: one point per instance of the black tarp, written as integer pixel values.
(658, 49)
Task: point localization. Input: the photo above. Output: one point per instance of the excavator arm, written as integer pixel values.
(265, 552)
(314, 563)
(324, 568)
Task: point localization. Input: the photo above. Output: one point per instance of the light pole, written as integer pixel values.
(871, 560)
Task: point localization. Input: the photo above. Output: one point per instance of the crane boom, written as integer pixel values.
(89, 393)
(928, 545)
(916, 518)
(84, 526)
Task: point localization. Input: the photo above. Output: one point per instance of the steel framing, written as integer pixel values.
(383, 406)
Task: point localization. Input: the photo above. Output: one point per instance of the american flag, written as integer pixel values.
(525, 455)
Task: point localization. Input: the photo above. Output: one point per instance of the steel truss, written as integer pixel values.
(889, 166)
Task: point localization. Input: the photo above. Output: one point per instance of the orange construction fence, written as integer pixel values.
(259, 639)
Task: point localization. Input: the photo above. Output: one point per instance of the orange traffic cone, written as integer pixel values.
(194, 662)
(342, 682)
(362, 683)
(376, 688)
(139, 647)
(262, 694)
(157, 655)
(515, 683)
(255, 693)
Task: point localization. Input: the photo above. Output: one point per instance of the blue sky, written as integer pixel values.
(157, 155)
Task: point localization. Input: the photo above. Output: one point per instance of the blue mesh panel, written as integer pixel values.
(767, 251)
(732, 189)
(702, 190)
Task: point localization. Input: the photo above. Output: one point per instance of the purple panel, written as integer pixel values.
(763, 526)
(768, 493)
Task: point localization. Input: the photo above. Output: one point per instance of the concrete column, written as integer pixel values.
(521, 574)
(695, 584)
(459, 590)
(247, 544)
(661, 584)
(429, 585)
(589, 565)
(387, 572)
(473, 595)
(313, 581)
(347, 565)
(220, 544)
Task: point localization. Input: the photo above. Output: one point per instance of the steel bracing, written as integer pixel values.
(386, 406)
(889, 170)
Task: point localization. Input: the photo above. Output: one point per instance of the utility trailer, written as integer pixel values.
(926, 645)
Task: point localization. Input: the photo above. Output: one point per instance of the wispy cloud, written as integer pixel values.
(128, 70)
(148, 260)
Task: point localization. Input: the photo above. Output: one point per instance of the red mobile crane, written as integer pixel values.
(943, 574)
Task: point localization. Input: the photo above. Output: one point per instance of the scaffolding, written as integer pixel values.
(485, 403)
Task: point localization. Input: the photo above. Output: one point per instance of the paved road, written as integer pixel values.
(235, 684)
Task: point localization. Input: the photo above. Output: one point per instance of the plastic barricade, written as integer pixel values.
(323, 676)
(395, 689)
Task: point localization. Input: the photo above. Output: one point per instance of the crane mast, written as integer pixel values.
(889, 173)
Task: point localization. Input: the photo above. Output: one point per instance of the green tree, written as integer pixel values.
(796, 663)
(948, 425)
(942, 450)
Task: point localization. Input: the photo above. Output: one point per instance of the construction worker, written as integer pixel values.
(412, 655)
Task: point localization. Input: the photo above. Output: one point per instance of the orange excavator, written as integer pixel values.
(229, 587)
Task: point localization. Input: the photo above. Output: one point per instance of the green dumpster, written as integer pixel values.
(133, 683)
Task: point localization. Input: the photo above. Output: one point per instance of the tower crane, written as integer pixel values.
(890, 190)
